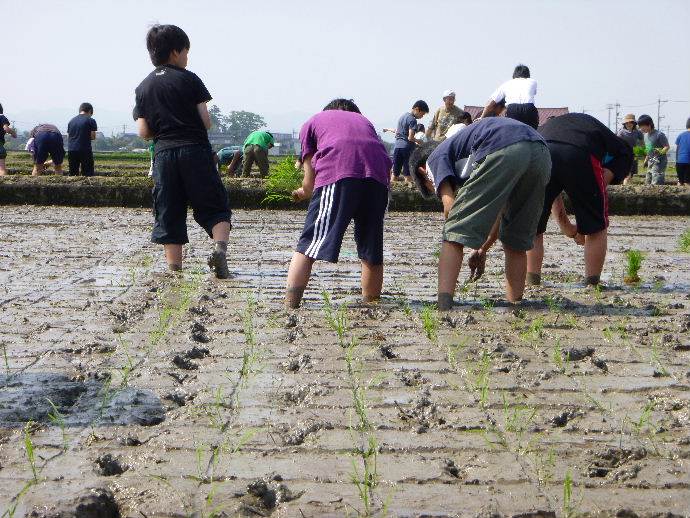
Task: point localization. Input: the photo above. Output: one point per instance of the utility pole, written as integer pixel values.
(124, 129)
(658, 110)
(609, 107)
(583, 110)
(618, 111)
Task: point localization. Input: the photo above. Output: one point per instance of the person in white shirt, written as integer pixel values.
(518, 94)
(461, 124)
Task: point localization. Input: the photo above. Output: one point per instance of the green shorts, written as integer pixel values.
(510, 181)
(3, 152)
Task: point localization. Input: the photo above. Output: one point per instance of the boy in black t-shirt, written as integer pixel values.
(81, 130)
(171, 110)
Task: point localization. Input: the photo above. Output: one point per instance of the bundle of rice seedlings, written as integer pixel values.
(282, 180)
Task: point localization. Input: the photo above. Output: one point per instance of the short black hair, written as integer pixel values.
(421, 105)
(420, 127)
(162, 40)
(521, 71)
(346, 105)
(1, 112)
(465, 118)
(419, 157)
(86, 107)
(687, 123)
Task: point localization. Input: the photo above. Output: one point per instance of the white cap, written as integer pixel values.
(448, 93)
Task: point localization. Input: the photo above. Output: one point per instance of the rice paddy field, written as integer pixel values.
(128, 392)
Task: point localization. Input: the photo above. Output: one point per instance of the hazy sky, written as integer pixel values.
(285, 59)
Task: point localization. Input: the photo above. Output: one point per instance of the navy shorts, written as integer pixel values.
(331, 209)
(185, 176)
(401, 160)
(49, 143)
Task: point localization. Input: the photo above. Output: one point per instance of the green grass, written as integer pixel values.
(429, 321)
(684, 241)
(282, 180)
(634, 260)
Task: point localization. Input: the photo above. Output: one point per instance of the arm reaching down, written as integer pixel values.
(203, 113)
(143, 129)
(447, 195)
(10, 130)
(305, 192)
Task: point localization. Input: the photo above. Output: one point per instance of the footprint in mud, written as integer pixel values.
(263, 496)
(607, 461)
(300, 434)
(423, 412)
(184, 363)
(96, 502)
(452, 469)
(459, 320)
(296, 362)
(107, 466)
(197, 333)
(300, 393)
(411, 377)
(178, 397)
(387, 351)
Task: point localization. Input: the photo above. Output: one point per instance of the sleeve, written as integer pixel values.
(139, 112)
(663, 141)
(307, 139)
(201, 94)
(678, 140)
(411, 124)
(622, 158)
(94, 125)
(499, 94)
(4, 121)
(440, 167)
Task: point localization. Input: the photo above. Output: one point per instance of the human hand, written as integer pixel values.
(477, 264)
(299, 195)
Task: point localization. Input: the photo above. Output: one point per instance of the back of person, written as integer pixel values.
(44, 128)
(406, 122)
(167, 98)
(632, 137)
(520, 90)
(345, 145)
(79, 133)
(683, 147)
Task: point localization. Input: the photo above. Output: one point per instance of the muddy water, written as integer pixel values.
(181, 396)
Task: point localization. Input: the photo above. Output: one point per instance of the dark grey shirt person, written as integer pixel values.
(633, 137)
(655, 140)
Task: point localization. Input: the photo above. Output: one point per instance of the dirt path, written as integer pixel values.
(195, 397)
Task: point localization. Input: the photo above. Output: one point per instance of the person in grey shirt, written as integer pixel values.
(632, 136)
(657, 146)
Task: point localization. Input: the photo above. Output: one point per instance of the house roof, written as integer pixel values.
(544, 113)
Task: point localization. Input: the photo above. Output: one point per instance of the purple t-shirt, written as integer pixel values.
(344, 145)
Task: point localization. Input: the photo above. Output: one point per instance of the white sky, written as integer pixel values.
(285, 59)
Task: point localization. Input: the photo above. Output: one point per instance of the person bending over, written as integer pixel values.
(5, 129)
(490, 178)
(518, 95)
(346, 175)
(47, 141)
(586, 157)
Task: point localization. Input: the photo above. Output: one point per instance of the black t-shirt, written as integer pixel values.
(79, 133)
(168, 100)
(587, 133)
(3, 123)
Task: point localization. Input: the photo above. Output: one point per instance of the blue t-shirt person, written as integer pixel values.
(79, 132)
(406, 123)
(683, 148)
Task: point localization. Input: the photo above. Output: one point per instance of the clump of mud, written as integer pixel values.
(411, 377)
(300, 434)
(387, 351)
(296, 362)
(198, 333)
(107, 466)
(264, 495)
(94, 503)
(563, 418)
(609, 460)
(423, 412)
(184, 363)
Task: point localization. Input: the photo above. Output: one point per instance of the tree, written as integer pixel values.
(217, 124)
(239, 124)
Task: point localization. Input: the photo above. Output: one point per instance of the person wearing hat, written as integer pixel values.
(445, 117)
(632, 136)
(656, 145)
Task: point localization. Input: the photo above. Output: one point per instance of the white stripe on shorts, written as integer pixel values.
(318, 224)
(328, 222)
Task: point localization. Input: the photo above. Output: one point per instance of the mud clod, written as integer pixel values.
(575, 354)
(450, 468)
(423, 411)
(184, 363)
(94, 503)
(411, 377)
(387, 351)
(197, 333)
(269, 492)
(604, 462)
(178, 396)
(562, 419)
(108, 466)
(299, 435)
(196, 353)
(296, 362)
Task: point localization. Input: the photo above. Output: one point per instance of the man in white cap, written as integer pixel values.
(445, 117)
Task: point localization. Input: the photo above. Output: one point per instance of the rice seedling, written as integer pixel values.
(684, 241)
(430, 322)
(517, 417)
(644, 421)
(282, 180)
(481, 378)
(634, 260)
(571, 321)
(534, 332)
(568, 508)
(608, 334)
(7, 363)
(452, 352)
(488, 304)
(30, 450)
(10, 511)
(557, 356)
(336, 318)
(56, 418)
(545, 465)
(655, 359)
(402, 300)
(367, 480)
(640, 152)
(553, 304)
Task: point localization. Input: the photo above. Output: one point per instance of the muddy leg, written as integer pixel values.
(173, 256)
(535, 259)
(38, 169)
(595, 254)
(516, 269)
(3, 169)
(372, 281)
(298, 278)
(449, 264)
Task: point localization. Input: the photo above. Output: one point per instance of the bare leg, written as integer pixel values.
(221, 231)
(372, 281)
(173, 256)
(58, 168)
(449, 263)
(38, 169)
(535, 259)
(298, 277)
(3, 169)
(516, 269)
(595, 255)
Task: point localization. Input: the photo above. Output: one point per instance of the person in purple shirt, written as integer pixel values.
(346, 175)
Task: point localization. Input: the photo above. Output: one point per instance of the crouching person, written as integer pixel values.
(586, 157)
(346, 175)
(490, 178)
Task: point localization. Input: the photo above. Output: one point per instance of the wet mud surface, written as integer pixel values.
(127, 392)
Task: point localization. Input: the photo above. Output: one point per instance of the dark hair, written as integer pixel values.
(86, 107)
(419, 157)
(162, 40)
(421, 105)
(687, 124)
(645, 120)
(1, 112)
(521, 71)
(466, 118)
(420, 127)
(346, 105)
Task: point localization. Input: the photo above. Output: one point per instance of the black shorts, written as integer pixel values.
(185, 176)
(80, 160)
(49, 143)
(683, 171)
(401, 160)
(331, 209)
(526, 113)
(581, 176)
